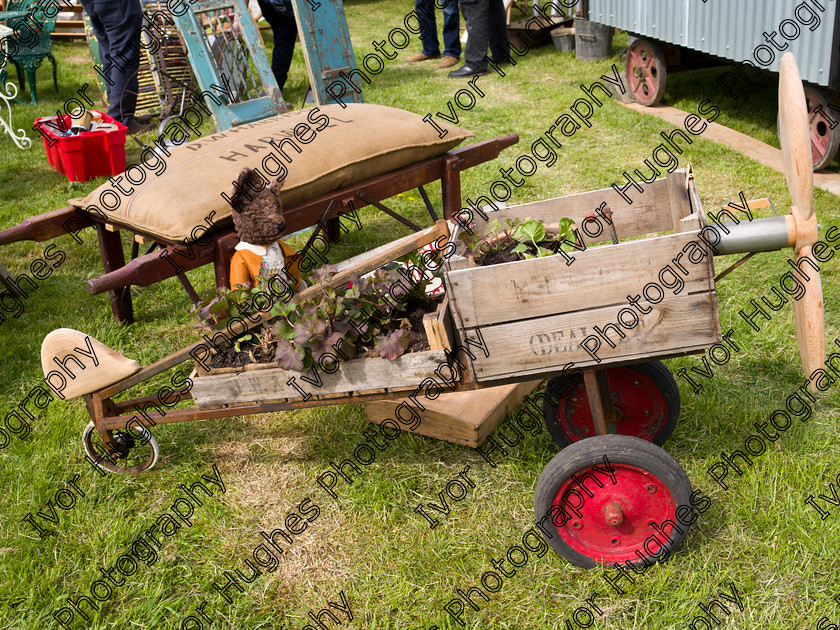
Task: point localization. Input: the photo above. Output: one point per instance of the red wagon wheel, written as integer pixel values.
(599, 513)
(645, 395)
(646, 70)
(824, 140)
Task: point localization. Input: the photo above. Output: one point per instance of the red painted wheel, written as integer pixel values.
(645, 394)
(608, 499)
(646, 71)
(824, 140)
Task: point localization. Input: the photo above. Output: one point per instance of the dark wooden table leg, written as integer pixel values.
(223, 248)
(110, 248)
(600, 401)
(11, 285)
(333, 230)
(451, 187)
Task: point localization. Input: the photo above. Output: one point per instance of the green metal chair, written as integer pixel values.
(31, 42)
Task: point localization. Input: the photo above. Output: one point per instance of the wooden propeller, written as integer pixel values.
(794, 134)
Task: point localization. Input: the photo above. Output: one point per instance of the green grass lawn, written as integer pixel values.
(393, 570)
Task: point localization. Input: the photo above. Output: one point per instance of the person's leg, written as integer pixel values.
(104, 49)
(428, 27)
(498, 32)
(475, 15)
(119, 22)
(284, 50)
(451, 29)
(270, 15)
(284, 31)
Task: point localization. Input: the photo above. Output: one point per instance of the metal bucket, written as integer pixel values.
(564, 39)
(593, 41)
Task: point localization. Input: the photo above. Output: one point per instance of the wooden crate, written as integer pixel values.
(261, 383)
(466, 418)
(533, 314)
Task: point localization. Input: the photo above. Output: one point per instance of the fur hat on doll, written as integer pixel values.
(259, 223)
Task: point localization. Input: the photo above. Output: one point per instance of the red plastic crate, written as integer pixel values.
(86, 156)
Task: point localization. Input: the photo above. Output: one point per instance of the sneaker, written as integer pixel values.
(421, 57)
(448, 61)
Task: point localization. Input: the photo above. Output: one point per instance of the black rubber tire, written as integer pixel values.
(559, 391)
(619, 449)
(659, 72)
(145, 455)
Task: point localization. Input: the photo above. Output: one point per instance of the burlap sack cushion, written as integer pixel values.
(337, 148)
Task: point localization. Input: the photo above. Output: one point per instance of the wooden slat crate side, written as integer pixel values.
(691, 223)
(697, 221)
(694, 198)
(455, 330)
(679, 197)
(450, 330)
(650, 212)
(437, 331)
(677, 325)
(358, 375)
(457, 262)
(697, 205)
(600, 276)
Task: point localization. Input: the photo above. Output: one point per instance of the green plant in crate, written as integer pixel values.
(533, 232)
(334, 320)
(517, 237)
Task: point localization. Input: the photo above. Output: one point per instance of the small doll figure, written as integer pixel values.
(259, 223)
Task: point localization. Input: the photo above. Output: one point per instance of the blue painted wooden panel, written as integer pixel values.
(330, 61)
(228, 58)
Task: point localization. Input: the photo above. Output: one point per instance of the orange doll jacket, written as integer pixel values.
(245, 264)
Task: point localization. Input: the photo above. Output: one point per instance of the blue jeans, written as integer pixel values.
(428, 25)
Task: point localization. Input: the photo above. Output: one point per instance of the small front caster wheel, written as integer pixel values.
(613, 498)
(135, 451)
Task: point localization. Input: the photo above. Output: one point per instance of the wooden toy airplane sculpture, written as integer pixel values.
(648, 485)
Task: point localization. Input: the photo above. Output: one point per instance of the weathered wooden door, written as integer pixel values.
(228, 58)
(323, 31)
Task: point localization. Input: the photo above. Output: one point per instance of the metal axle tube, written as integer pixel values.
(768, 234)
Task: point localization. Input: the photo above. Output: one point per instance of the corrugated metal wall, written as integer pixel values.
(732, 29)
